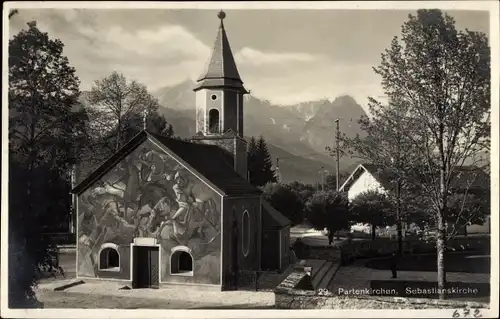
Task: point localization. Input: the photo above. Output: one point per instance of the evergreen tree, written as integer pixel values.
(168, 131)
(251, 159)
(263, 172)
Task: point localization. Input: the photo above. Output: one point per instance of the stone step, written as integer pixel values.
(318, 277)
(328, 278)
(316, 265)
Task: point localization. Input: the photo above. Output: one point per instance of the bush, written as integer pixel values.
(328, 210)
(285, 201)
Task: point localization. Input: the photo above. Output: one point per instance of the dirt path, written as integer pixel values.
(61, 299)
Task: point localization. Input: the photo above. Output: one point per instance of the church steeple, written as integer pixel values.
(221, 70)
(219, 102)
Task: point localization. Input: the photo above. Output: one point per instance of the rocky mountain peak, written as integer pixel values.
(301, 129)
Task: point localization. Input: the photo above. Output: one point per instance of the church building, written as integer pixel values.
(165, 211)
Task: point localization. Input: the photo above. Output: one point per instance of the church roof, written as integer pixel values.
(226, 135)
(271, 218)
(221, 70)
(210, 163)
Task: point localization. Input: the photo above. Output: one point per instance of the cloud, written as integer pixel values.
(294, 78)
(155, 57)
(255, 57)
(158, 56)
(164, 54)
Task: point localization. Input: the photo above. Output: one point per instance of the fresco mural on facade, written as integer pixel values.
(148, 194)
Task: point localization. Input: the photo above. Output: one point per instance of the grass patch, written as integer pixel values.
(454, 262)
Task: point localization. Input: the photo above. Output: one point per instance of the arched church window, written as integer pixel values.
(181, 261)
(245, 233)
(109, 258)
(213, 121)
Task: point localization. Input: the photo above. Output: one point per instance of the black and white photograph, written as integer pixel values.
(250, 159)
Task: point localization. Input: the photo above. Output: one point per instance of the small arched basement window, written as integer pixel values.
(245, 233)
(181, 261)
(109, 258)
(213, 121)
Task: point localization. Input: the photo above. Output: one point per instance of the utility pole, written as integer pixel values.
(337, 151)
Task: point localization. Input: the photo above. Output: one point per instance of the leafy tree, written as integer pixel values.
(466, 206)
(13, 13)
(418, 211)
(389, 150)
(43, 132)
(467, 209)
(285, 201)
(331, 180)
(440, 77)
(155, 123)
(374, 208)
(302, 191)
(115, 103)
(98, 148)
(260, 163)
(328, 210)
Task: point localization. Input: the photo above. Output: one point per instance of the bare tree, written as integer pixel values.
(390, 152)
(114, 102)
(441, 76)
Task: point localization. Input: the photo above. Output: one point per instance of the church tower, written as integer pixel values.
(219, 102)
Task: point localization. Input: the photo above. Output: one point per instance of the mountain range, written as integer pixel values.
(297, 134)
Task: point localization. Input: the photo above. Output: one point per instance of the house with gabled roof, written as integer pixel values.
(371, 177)
(163, 211)
(367, 177)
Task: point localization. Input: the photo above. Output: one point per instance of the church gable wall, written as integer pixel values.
(149, 194)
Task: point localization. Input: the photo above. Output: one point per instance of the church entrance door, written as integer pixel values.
(145, 272)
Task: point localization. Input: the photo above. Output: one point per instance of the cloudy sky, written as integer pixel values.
(285, 56)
